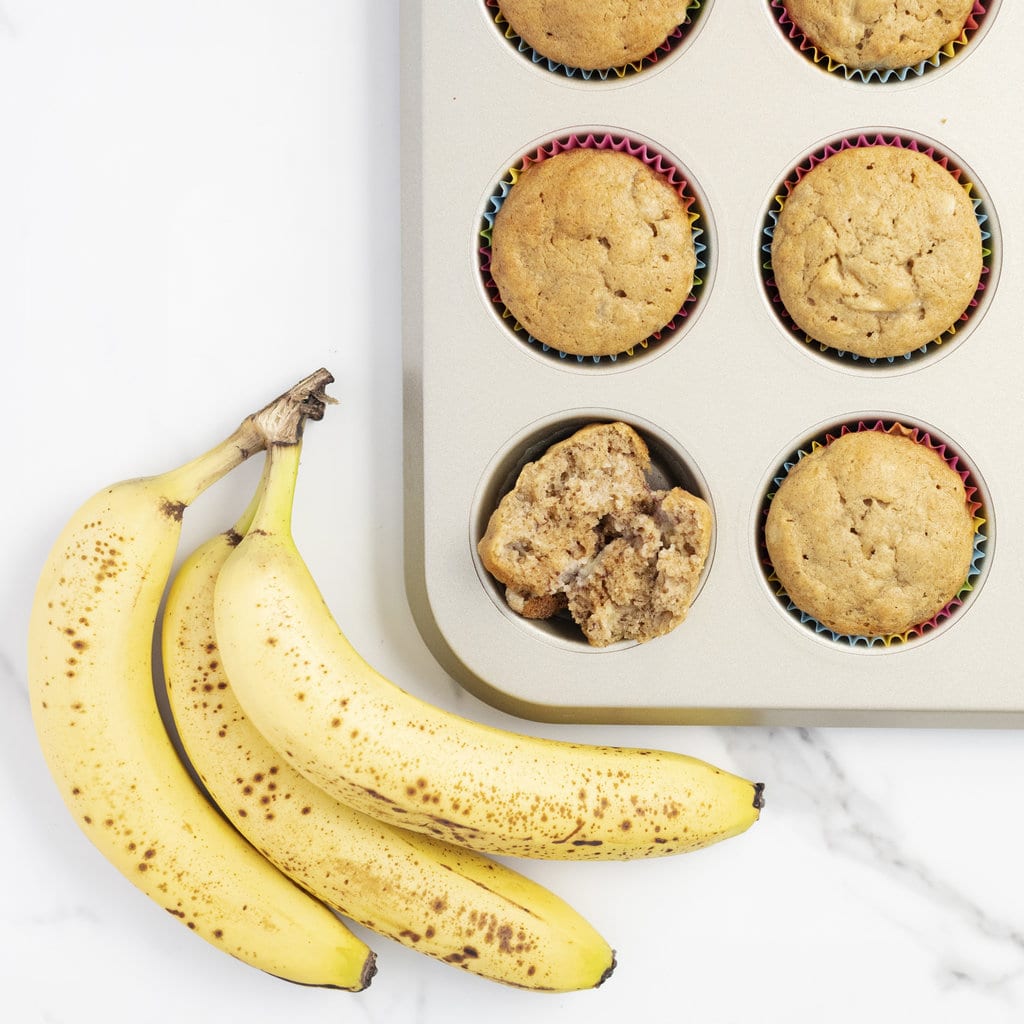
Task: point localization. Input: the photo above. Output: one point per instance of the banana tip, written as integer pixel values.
(365, 977)
(758, 795)
(607, 972)
(369, 970)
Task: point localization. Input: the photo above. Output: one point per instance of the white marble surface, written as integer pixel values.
(198, 203)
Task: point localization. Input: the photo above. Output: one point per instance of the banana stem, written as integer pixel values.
(281, 422)
(277, 490)
(184, 484)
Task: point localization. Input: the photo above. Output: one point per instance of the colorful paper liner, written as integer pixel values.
(672, 42)
(880, 75)
(797, 175)
(620, 144)
(953, 460)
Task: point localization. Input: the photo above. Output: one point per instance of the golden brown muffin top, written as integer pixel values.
(594, 34)
(592, 251)
(877, 251)
(871, 534)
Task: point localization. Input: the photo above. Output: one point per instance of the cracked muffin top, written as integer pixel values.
(871, 534)
(583, 531)
(877, 251)
(592, 251)
(594, 34)
(881, 34)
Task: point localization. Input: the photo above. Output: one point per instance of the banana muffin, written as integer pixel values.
(583, 530)
(868, 34)
(594, 34)
(877, 251)
(871, 534)
(592, 251)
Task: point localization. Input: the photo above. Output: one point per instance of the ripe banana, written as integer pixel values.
(91, 686)
(446, 902)
(395, 757)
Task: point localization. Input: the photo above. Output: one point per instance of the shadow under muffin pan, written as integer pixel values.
(958, 332)
(671, 466)
(672, 171)
(671, 49)
(966, 42)
(727, 399)
(979, 504)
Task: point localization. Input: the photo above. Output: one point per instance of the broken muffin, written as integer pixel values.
(582, 530)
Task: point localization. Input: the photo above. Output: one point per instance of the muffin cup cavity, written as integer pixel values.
(671, 466)
(980, 16)
(670, 48)
(968, 319)
(702, 234)
(979, 506)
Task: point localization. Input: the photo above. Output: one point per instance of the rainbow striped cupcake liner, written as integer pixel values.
(912, 72)
(981, 517)
(672, 43)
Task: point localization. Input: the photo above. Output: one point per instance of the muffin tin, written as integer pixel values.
(728, 395)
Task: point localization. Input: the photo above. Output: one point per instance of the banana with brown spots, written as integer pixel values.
(444, 901)
(393, 756)
(91, 686)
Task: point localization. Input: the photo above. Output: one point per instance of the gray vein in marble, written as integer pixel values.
(805, 776)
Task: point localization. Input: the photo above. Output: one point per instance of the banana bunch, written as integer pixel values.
(330, 792)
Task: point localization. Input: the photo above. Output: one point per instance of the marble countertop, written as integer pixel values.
(198, 205)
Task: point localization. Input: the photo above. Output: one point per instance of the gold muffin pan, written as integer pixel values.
(728, 397)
